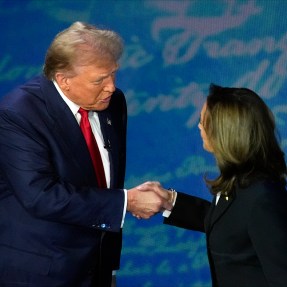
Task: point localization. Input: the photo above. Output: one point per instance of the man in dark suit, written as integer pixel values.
(59, 225)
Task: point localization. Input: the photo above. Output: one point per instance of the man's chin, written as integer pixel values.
(97, 107)
(100, 107)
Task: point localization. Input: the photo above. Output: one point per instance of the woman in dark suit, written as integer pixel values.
(246, 223)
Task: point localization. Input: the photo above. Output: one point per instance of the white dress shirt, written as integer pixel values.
(217, 197)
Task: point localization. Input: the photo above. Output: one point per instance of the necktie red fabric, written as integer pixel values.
(93, 148)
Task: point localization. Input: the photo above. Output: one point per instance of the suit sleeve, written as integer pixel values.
(29, 173)
(189, 212)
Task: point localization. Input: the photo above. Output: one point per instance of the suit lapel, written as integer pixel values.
(110, 142)
(67, 128)
(216, 211)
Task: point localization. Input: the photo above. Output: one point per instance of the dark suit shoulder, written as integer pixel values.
(118, 109)
(118, 101)
(25, 96)
(262, 189)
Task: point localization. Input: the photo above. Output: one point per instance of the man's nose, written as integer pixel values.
(110, 84)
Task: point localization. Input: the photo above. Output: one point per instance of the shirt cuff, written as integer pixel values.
(167, 213)
(125, 208)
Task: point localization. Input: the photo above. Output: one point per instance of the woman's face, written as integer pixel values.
(206, 143)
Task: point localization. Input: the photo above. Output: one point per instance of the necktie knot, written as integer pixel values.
(84, 113)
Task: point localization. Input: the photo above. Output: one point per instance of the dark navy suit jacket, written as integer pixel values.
(57, 228)
(246, 234)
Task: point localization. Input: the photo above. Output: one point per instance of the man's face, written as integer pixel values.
(93, 85)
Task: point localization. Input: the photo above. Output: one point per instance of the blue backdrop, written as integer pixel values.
(173, 51)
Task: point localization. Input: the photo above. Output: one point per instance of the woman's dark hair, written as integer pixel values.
(241, 130)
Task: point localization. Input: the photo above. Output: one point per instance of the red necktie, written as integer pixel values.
(93, 147)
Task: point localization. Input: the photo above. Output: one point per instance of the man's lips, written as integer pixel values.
(106, 100)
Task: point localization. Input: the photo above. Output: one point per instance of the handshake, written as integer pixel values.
(148, 199)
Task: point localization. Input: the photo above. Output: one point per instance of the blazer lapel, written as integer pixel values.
(68, 132)
(110, 141)
(216, 211)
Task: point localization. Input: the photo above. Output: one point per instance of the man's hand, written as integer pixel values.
(156, 187)
(147, 199)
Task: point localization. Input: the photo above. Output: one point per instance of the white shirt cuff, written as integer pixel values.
(125, 209)
(167, 213)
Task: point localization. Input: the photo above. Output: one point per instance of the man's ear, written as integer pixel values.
(62, 81)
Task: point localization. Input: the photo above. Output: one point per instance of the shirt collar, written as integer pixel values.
(73, 107)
